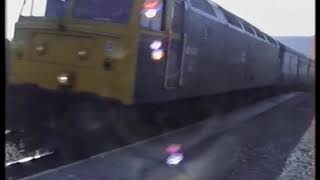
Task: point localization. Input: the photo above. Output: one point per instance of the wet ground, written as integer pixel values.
(253, 143)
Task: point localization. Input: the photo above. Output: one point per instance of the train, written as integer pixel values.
(132, 52)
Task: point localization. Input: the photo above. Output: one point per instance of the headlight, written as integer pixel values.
(41, 49)
(64, 79)
(150, 13)
(83, 54)
(156, 45)
(157, 54)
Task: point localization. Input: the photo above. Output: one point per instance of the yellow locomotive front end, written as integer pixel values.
(73, 66)
(82, 46)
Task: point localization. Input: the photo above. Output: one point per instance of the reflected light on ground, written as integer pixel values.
(175, 154)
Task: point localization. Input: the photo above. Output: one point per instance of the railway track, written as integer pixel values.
(161, 119)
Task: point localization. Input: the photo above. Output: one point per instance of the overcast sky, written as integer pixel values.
(275, 17)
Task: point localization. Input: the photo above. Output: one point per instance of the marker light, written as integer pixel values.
(157, 54)
(40, 49)
(150, 4)
(156, 45)
(83, 54)
(63, 79)
(150, 13)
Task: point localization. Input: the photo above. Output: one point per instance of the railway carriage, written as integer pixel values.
(295, 68)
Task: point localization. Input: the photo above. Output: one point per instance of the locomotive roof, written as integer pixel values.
(296, 52)
(248, 23)
(281, 44)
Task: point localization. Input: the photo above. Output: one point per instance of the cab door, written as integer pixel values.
(175, 58)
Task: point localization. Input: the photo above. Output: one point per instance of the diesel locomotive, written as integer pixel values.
(133, 52)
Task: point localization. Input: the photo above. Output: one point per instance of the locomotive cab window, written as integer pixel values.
(106, 10)
(152, 15)
(259, 33)
(44, 8)
(247, 27)
(204, 6)
(267, 38)
(232, 19)
(271, 40)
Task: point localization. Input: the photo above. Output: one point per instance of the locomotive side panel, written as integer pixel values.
(198, 69)
(286, 68)
(259, 58)
(263, 65)
(211, 61)
(218, 57)
(216, 67)
(303, 70)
